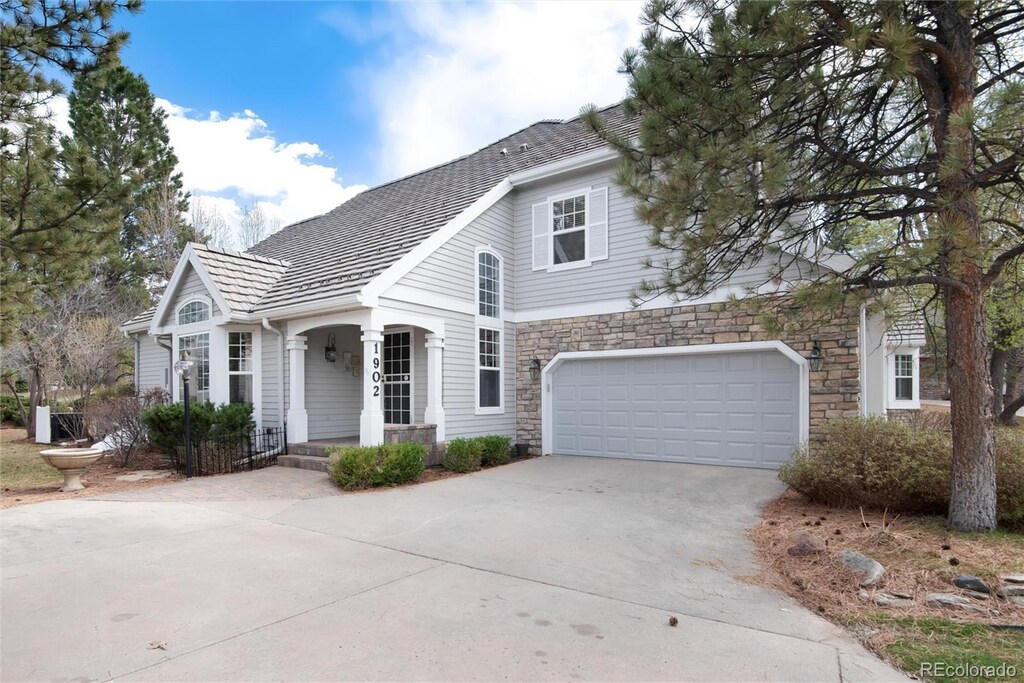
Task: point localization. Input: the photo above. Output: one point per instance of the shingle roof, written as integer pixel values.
(242, 278)
(144, 317)
(340, 251)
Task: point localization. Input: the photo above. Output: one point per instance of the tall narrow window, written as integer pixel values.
(904, 376)
(489, 365)
(197, 346)
(240, 365)
(193, 312)
(489, 285)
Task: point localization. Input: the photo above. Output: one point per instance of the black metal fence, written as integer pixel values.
(224, 453)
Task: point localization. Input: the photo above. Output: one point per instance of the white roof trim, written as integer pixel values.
(188, 257)
(573, 163)
(373, 289)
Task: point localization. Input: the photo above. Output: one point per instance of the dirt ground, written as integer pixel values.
(27, 479)
(919, 554)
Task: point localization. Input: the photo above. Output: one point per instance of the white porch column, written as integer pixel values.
(434, 411)
(371, 421)
(298, 422)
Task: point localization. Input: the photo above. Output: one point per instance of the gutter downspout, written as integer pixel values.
(138, 359)
(280, 369)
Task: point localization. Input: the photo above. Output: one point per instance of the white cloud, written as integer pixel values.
(460, 76)
(236, 160)
(229, 162)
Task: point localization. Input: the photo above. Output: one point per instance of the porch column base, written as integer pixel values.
(298, 426)
(371, 428)
(435, 416)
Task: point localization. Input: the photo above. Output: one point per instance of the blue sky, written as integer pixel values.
(297, 106)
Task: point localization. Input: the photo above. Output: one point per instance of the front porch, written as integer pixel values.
(364, 378)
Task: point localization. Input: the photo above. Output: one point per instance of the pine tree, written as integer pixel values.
(772, 128)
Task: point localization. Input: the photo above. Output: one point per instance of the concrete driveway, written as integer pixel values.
(551, 569)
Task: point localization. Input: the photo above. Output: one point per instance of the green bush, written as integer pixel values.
(880, 463)
(9, 410)
(214, 428)
(495, 449)
(361, 467)
(463, 455)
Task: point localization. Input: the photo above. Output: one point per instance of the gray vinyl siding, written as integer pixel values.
(459, 374)
(191, 285)
(608, 280)
(333, 395)
(268, 360)
(451, 270)
(153, 364)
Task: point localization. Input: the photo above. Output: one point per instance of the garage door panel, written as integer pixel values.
(738, 408)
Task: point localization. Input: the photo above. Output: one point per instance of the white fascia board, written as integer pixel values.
(567, 165)
(188, 257)
(373, 290)
(719, 295)
(288, 311)
(142, 327)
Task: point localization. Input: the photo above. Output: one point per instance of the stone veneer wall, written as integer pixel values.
(422, 434)
(834, 390)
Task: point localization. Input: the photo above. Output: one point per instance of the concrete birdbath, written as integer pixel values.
(72, 463)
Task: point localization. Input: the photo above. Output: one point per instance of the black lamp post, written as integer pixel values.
(183, 368)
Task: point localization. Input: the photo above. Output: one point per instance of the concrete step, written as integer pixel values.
(305, 462)
(314, 449)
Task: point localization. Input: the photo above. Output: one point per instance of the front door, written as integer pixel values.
(398, 378)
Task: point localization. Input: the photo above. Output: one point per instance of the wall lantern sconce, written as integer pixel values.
(331, 353)
(535, 368)
(817, 357)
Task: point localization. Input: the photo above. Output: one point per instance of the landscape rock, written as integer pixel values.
(805, 544)
(951, 601)
(972, 583)
(864, 595)
(978, 595)
(1017, 600)
(905, 596)
(868, 571)
(1009, 591)
(890, 600)
(1013, 578)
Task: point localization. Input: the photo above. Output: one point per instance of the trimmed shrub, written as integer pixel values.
(119, 419)
(361, 467)
(215, 429)
(882, 463)
(495, 449)
(463, 455)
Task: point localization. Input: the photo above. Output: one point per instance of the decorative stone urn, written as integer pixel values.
(72, 463)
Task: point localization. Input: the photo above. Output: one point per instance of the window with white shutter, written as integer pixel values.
(571, 230)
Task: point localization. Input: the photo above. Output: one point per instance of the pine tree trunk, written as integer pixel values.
(998, 370)
(972, 505)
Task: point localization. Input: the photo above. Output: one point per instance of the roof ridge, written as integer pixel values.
(244, 254)
(457, 159)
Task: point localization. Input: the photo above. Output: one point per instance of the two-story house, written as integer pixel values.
(490, 295)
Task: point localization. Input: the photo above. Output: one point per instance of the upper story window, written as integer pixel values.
(194, 312)
(571, 230)
(488, 267)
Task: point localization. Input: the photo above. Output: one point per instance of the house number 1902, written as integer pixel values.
(376, 369)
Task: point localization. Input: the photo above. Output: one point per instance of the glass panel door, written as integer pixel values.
(398, 378)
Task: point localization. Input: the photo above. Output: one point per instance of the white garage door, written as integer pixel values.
(735, 408)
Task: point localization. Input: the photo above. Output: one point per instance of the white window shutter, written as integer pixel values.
(597, 228)
(541, 237)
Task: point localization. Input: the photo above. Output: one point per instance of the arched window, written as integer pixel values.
(193, 312)
(489, 285)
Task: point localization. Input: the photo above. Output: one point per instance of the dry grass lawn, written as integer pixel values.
(25, 478)
(920, 557)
